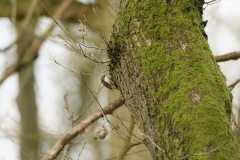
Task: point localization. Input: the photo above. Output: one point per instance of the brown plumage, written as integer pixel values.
(106, 82)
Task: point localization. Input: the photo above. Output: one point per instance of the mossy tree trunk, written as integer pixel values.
(173, 87)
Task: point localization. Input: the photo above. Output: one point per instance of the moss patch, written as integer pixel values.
(163, 62)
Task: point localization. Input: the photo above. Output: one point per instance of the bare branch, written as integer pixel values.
(71, 46)
(126, 134)
(152, 142)
(39, 40)
(120, 119)
(70, 112)
(56, 149)
(94, 98)
(88, 74)
(231, 87)
(85, 109)
(212, 2)
(228, 56)
(81, 150)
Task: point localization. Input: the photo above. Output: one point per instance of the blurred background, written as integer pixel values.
(32, 87)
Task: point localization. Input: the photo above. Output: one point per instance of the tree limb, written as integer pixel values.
(56, 149)
(39, 40)
(231, 86)
(228, 56)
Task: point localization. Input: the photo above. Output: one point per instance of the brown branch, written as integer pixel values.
(39, 40)
(81, 150)
(81, 73)
(86, 108)
(153, 142)
(228, 56)
(70, 112)
(94, 97)
(120, 119)
(56, 149)
(232, 86)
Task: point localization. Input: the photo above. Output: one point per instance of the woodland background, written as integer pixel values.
(37, 83)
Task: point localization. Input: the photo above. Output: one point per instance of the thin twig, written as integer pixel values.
(85, 45)
(124, 125)
(83, 53)
(54, 18)
(37, 41)
(81, 150)
(81, 73)
(212, 2)
(118, 129)
(94, 98)
(152, 142)
(70, 112)
(121, 121)
(87, 106)
(232, 86)
(119, 118)
(56, 149)
(85, 20)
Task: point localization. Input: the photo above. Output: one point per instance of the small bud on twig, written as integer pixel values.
(100, 132)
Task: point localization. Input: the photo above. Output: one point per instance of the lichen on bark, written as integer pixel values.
(162, 64)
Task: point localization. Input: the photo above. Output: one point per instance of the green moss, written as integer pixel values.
(187, 98)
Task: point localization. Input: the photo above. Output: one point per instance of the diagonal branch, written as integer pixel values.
(70, 112)
(228, 56)
(56, 149)
(38, 40)
(231, 86)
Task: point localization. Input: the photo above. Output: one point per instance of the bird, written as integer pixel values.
(107, 82)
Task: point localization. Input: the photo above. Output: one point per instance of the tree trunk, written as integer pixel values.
(28, 111)
(173, 87)
(26, 97)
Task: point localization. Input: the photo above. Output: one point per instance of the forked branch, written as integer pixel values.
(56, 149)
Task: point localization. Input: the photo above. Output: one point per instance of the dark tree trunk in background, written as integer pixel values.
(26, 100)
(173, 87)
(28, 111)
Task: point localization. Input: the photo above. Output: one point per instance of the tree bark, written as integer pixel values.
(164, 68)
